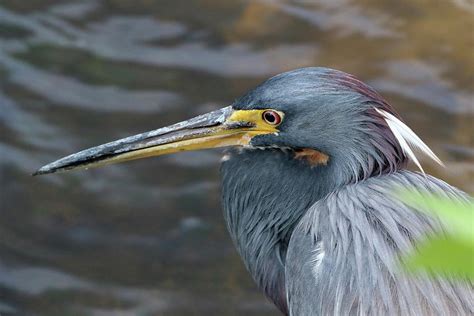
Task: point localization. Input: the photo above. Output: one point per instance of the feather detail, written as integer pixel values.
(408, 139)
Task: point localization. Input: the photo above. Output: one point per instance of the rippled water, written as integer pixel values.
(148, 238)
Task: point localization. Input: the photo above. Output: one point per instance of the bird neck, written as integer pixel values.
(265, 193)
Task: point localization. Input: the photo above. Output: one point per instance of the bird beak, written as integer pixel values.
(220, 128)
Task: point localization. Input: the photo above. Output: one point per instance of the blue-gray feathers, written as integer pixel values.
(265, 193)
(322, 240)
(333, 112)
(357, 234)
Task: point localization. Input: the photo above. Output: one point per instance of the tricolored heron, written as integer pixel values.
(306, 188)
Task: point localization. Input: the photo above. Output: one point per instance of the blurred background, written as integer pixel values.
(148, 237)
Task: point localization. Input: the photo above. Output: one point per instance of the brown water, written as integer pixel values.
(148, 238)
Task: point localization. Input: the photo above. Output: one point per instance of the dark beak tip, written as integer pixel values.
(38, 172)
(43, 170)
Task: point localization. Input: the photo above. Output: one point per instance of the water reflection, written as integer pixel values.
(148, 237)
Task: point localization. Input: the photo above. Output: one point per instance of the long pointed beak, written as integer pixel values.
(220, 128)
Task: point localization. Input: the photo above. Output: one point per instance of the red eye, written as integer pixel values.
(271, 117)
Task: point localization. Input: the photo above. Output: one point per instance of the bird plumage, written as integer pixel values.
(324, 240)
(357, 234)
(261, 222)
(408, 139)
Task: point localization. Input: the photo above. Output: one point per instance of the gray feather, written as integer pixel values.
(364, 229)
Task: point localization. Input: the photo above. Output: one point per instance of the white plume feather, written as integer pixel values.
(408, 139)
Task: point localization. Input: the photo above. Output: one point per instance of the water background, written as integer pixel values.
(148, 237)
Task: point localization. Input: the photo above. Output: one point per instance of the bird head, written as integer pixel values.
(325, 117)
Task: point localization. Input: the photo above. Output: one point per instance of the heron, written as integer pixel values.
(310, 161)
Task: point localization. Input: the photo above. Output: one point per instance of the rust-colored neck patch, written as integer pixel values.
(313, 157)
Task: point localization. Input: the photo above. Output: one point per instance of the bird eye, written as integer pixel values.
(271, 117)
